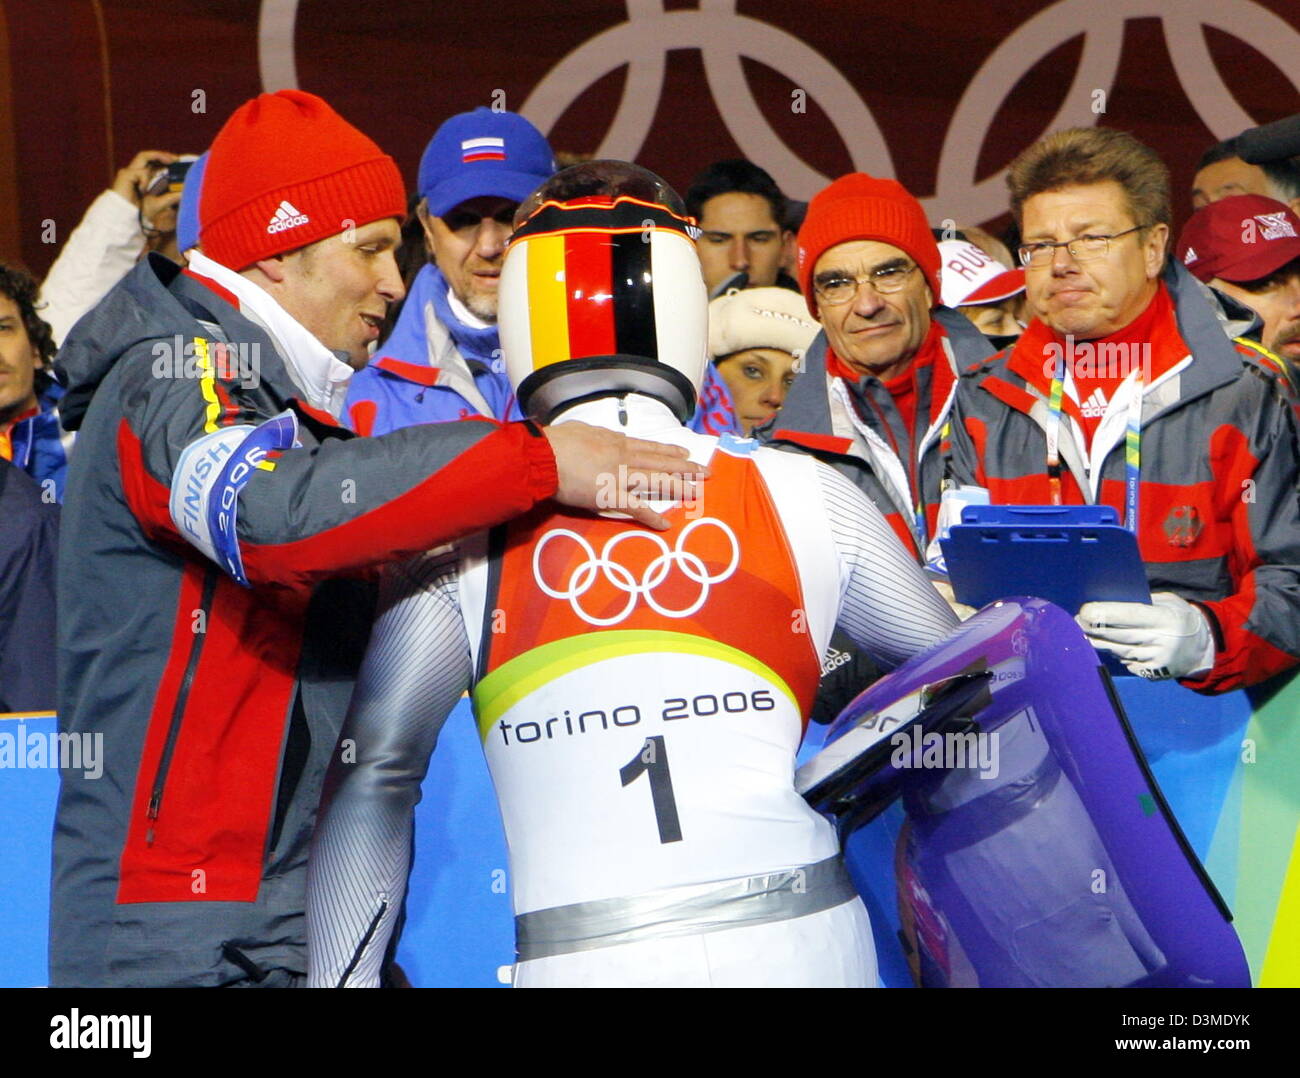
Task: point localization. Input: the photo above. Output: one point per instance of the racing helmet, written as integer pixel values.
(601, 293)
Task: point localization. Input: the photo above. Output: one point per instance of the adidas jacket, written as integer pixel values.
(212, 610)
(1219, 517)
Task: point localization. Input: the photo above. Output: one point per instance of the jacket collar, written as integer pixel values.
(807, 408)
(1203, 323)
(317, 371)
(431, 346)
(429, 313)
(1038, 352)
(225, 322)
(416, 373)
(969, 346)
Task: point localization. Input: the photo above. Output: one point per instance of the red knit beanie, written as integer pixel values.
(861, 207)
(287, 170)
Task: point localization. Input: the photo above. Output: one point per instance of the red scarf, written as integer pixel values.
(1098, 369)
(903, 387)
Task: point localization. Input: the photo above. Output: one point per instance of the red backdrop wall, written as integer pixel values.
(940, 95)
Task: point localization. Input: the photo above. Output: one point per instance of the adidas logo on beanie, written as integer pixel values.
(286, 216)
(286, 171)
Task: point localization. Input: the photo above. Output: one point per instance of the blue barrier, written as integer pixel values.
(27, 799)
(459, 929)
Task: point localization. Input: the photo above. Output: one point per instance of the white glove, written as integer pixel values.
(1171, 638)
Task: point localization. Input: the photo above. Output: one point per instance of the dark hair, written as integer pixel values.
(724, 177)
(1220, 151)
(605, 177)
(1283, 174)
(21, 287)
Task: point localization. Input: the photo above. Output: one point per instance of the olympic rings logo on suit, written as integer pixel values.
(584, 576)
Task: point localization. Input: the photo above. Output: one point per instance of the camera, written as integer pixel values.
(170, 179)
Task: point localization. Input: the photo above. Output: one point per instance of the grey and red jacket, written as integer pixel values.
(855, 427)
(215, 596)
(1218, 511)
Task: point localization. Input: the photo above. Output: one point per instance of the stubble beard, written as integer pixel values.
(484, 307)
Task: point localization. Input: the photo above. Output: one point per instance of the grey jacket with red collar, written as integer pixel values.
(844, 426)
(1219, 515)
(212, 608)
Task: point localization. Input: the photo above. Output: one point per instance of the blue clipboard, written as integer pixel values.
(1066, 554)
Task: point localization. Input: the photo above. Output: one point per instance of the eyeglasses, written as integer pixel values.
(1084, 249)
(841, 288)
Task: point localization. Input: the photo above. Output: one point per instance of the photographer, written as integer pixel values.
(136, 215)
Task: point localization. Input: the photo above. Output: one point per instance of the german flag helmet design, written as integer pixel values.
(601, 293)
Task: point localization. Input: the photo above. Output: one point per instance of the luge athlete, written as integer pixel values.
(640, 696)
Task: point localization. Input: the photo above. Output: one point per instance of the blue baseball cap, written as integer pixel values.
(187, 215)
(483, 153)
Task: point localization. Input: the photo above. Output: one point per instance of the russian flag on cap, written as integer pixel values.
(483, 149)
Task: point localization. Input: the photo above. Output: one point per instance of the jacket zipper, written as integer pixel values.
(178, 709)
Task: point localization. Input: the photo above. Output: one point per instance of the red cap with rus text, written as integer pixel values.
(1242, 238)
(862, 207)
(286, 171)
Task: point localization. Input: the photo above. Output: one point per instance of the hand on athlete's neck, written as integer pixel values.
(596, 466)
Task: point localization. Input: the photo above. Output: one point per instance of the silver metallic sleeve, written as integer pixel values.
(888, 606)
(416, 667)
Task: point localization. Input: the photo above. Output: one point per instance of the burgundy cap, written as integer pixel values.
(1241, 238)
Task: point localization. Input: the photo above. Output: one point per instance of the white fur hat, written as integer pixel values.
(760, 318)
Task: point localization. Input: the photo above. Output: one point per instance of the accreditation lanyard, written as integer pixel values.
(924, 389)
(909, 458)
(1132, 445)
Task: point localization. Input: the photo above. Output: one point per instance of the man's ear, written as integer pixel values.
(272, 267)
(789, 252)
(1159, 241)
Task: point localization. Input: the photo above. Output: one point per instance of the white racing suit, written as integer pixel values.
(641, 697)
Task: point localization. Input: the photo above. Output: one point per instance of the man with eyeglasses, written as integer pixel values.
(443, 358)
(1128, 388)
(877, 384)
